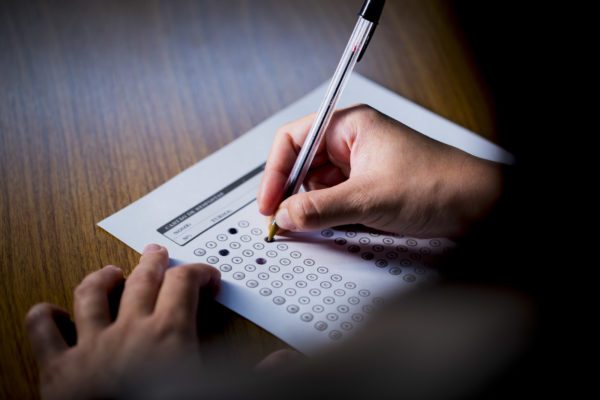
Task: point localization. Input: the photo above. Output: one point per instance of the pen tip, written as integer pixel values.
(273, 228)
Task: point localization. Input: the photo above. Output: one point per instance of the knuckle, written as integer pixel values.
(37, 313)
(143, 277)
(362, 107)
(367, 114)
(356, 118)
(88, 286)
(365, 109)
(174, 325)
(184, 273)
(282, 133)
(282, 130)
(359, 110)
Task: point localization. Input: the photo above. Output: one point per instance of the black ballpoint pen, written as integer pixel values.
(359, 40)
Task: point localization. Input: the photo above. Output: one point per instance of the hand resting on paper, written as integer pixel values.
(373, 170)
(152, 341)
(156, 323)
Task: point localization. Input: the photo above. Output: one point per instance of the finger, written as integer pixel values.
(323, 177)
(90, 304)
(43, 333)
(346, 203)
(342, 131)
(177, 302)
(282, 156)
(141, 288)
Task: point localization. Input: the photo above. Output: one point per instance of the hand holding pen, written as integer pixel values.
(372, 170)
(363, 31)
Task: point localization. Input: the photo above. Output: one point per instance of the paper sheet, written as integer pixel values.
(312, 290)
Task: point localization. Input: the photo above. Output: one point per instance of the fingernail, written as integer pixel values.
(282, 219)
(152, 248)
(111, 267)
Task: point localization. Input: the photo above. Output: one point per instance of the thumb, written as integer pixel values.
(345, 203)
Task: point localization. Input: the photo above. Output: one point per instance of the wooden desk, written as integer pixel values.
(102, 101)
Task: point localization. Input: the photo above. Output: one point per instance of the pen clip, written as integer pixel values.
(362, 52)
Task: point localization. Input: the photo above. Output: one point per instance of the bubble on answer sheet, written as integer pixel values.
(283, 273)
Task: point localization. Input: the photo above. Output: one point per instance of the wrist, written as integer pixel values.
(479, 188)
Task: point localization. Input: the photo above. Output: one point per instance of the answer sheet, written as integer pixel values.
(312, 290)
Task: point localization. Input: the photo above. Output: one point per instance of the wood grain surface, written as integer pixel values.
(103, 101)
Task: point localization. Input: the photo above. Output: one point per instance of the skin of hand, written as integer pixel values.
(373, 170)
(156, 322)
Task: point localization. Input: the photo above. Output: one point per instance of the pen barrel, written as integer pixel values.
(358, 40)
